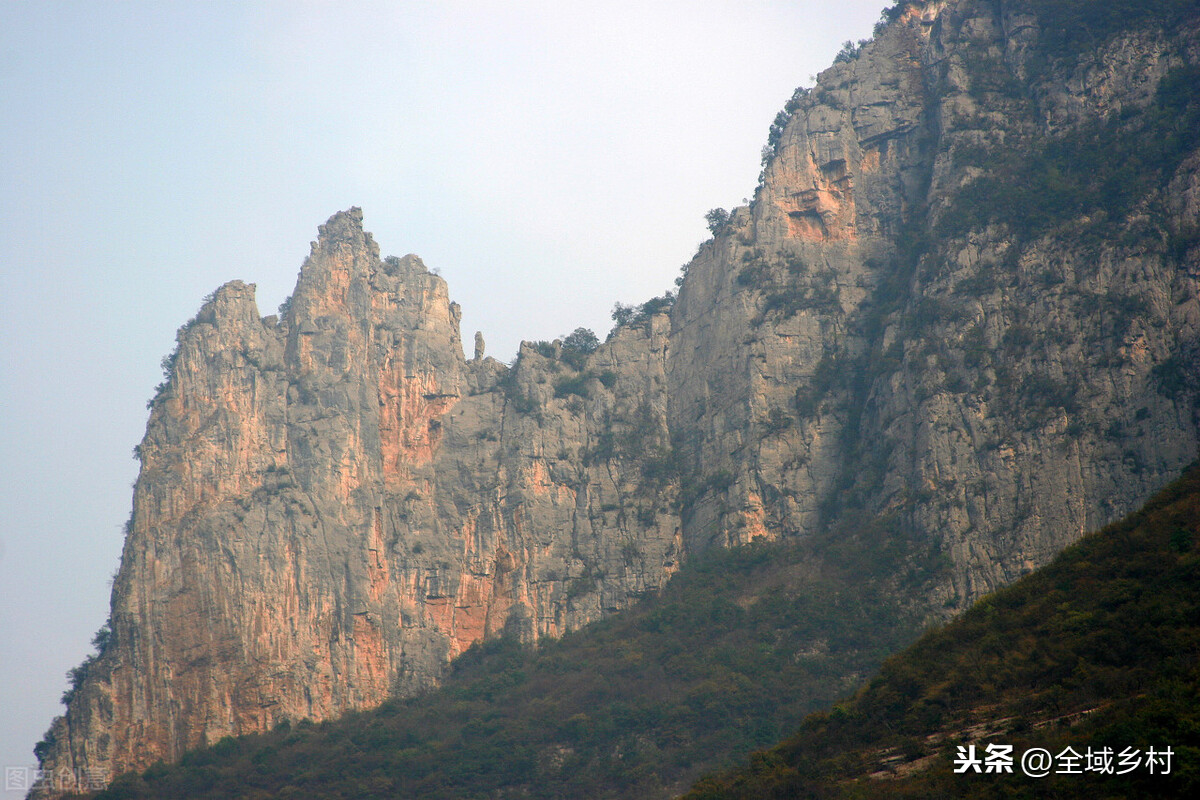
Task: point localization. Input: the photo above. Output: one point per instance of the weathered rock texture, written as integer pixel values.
(335, 503)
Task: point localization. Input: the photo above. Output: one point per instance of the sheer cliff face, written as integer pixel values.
(335, 503)
(947, 304)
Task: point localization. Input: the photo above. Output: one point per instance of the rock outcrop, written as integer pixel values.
(334, 504)
(909, 324)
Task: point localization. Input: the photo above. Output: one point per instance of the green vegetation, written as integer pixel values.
(1100, 170)
(624, 315)
(775, 133)
(1070, 27)
(787, 285)
(577, 346)
(77, 675)
(520, 401)
(850, 50)
(792, 299)
(1099, 649)
(825, 375)
(734, 652)
(1175, 376)
(167, 365)
(578, 384)
(101, 641)
(717, 220)
(893, 13)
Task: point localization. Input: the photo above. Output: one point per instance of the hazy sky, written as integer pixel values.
(549, 159)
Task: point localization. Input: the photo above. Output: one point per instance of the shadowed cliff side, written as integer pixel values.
(965, 293)
(1095, 653)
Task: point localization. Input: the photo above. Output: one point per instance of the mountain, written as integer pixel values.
(1098, 651)
(963, 308)
(738, 647)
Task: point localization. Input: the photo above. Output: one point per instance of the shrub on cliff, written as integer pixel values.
(577, 346)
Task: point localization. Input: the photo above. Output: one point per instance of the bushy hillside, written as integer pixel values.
(1100, 649)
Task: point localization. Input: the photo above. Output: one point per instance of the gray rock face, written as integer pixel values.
(334, 504)
(870, 336)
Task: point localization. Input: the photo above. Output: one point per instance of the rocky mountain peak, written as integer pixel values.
(344, 230)
(942, 316)
(232, 304)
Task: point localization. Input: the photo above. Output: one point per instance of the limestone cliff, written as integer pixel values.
(334, 504)
(910, 322)
(881, 331)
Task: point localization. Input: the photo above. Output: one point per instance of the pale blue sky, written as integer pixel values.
(548, 158)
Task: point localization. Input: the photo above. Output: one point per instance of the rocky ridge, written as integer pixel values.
(336, 502)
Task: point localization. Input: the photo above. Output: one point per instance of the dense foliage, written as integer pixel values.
(1099, 649)
(730, 656)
